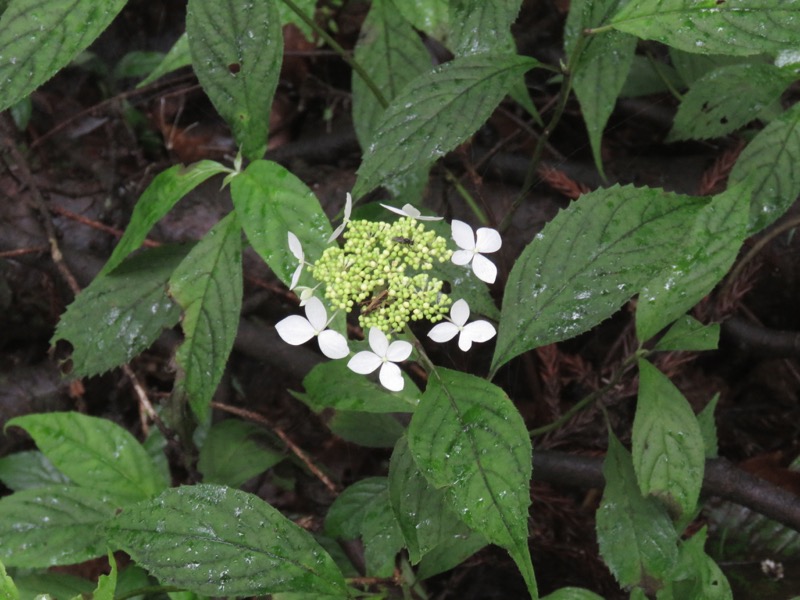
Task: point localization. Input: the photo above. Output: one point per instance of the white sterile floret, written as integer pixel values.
(477, 331)
(348, 208)
(472, 249)
(296, 330)
(410, 211)
(305, 293)
(383, 355)
(297, 251)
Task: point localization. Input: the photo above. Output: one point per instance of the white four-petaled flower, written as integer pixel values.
(297, 251)
(348, 208)
(296, 330)
(410, 211)
(472, 249)
(477, 331)
(383, 355)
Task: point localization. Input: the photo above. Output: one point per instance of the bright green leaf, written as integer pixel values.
(271, 202)
(235, 451)
(307, 7)
(208, 286)
(95, 453)
(56, 525)
(177, 57)
(218, 541)
(160, 196)
(697, 575)
(122, 313)
(587, 262)
(37, 41)
(346, 514)
(107, 584)
(572, 593)
(468, 439)
(667, 444)
(697, 265)
(237, 51)
(687, 333)
(771, 164)
(710, 26)
(371, 430)
(8, 591)
(636, 537)
(29, 469)
(708, 427)
(728, 98)
(436, 112)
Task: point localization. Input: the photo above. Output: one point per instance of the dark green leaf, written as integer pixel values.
(667, 444)
(572, 593)
(430, 16)
(449, 554)
(469, 440)
(120, 314)
(691, 66)
(710, 26)
(636, 536)
(648, 76)
(57, 585)
(436, 112)
(29, 469)
(697, 265)
(687, 333)
(708, 427)
(8, 591)
(217, 541)
(381, 536)
(372, 430)
(36, 40)
(95, 453)
(177, 57)
(56, 525)
(477, 26)
(728, 98)
(235, 451)
(771, 165)
(208, 286)
(237, 50)
(587, 262)
(346, 514)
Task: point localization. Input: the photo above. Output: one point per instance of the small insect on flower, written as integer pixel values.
(375, 303)
(403, 240)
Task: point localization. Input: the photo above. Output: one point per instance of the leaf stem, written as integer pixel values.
(473, 206)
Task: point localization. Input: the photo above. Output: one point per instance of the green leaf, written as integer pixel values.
(346, 514)
(422, 513)
(710, 26)
(271, 202)
(96, 453)
(687, 333)
(771, 164)
(481, 27)
(107, 584)
(434, 113)
(602, 66)
(235, 451)
(649, 76)
(697, 575)
(177, 57)
(37, 41)
(122, 313)
(371, 430)
(392, 53)
(430, 16)
(381, 536)
(587, 262)
(208, 285)
(667, 444)
(697, 265)
(728, 98)
(289, 16)
(237, 51)
(332, 385)
(708, 427)
(56, 525)
(572, 593)
(29, 469)
(56, 585)
(8, 591)
(469, 440)
(218, 541)
(635, 534)
(449, 554)
(160, 196)
(691, 67)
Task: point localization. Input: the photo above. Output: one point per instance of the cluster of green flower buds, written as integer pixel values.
(381, 270)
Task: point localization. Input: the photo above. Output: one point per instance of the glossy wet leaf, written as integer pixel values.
(122, 313)
(235, 451)
(728, 98)
(208, 286)
(687, 333)
(93, 452)
(237, 51)
(392, 53)
(434, 113)
(381, 536)
(271, 202)
(771, 163)
(160, 196)
(177, 57)
(346, 514)
(602, 66)
(423, 515)
(469, 440)
(587, 262)
(477, 26)
(55, 525)
(708, 427)
(29, 469)
(368, 429)
(430, 16)
(636, 537)
(697, 265)
(217, 541)
(738, 27)
(667, 444)
(36, 42)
